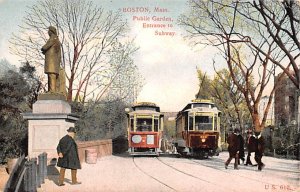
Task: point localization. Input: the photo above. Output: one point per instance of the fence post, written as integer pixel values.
(34, 172)
(41, 169)
(45, 165)
(28, 177)
(38, 177)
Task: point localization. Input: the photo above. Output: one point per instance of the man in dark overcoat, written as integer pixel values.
(52, 52)
(260, 147)
(68, 157)
(251, 146)
(241, 144)
(233, 149)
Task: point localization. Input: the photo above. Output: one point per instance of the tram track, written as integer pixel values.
(156, 179)
(188, 174)
(182, 171)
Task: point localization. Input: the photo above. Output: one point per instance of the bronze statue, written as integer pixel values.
(52, 52)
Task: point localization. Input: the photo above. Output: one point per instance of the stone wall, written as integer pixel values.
(103, 147)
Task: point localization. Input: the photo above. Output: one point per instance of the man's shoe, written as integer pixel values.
(61, 184)
(76, 183)
(226, 166)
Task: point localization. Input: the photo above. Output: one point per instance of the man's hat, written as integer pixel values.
(71, 129)
(52, 29)
(236, 130)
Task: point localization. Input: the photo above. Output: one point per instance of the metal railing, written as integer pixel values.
(27, 175)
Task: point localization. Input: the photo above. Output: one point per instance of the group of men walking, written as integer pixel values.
(255, 143)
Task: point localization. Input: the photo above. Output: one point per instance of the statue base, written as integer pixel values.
(52, 96)
(47, 124)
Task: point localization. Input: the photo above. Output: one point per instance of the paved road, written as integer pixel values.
(165, 173)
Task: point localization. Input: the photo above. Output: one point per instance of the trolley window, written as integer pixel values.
(203, 122)
(156, 125)
(144, 124)
(191, 122)
(132, 124)
(184, 121)
(216, 122)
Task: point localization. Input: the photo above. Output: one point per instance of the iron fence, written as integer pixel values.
(28, 174)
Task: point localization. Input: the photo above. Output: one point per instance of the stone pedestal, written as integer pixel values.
(47, 124)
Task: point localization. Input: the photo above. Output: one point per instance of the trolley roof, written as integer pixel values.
(202, 101)
(189, 106)
(145, 106)
(145, 112)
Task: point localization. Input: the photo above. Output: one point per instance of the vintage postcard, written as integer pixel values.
(149, 95)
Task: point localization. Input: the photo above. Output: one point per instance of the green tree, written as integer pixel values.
(204, 85)
(101, 120)
(17, 93)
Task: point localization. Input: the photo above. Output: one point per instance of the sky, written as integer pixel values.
(167, 62)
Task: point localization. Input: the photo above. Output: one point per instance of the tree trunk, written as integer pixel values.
(256, 122)
(70, 92)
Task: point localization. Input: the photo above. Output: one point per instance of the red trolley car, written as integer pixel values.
(198, 129)
(145, 126)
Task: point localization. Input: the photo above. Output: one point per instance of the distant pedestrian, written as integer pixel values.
(251, 145)
(260, 147)
(68, 157)
(241, 149)
(233, 149)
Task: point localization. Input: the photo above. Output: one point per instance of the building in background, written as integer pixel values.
(286, 118)
(285, 100)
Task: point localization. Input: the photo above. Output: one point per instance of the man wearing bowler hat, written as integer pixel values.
(68, 157)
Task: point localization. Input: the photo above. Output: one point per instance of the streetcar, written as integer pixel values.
(198, 129)
(145, 126)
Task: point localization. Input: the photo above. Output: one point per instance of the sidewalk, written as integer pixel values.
(111, 173)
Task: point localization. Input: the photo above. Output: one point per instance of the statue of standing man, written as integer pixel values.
(52, 52)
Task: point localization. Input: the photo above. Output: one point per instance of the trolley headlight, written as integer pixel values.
(136, 139)
(203, 140)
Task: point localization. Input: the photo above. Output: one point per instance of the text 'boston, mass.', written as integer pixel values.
(143, 9)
